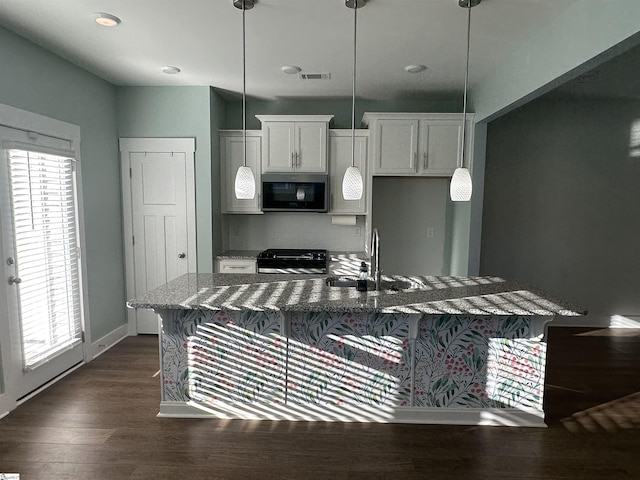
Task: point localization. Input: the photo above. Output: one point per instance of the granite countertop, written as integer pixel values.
(309, 293)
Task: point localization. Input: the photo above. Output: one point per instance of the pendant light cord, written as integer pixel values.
(244, 90)
(466, 83)
(353, 87)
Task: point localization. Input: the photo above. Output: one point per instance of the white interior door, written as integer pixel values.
(41, 256)
(161, 212)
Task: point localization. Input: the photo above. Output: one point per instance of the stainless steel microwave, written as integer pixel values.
(294, 192)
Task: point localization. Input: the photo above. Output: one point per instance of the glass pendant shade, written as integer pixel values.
(461, 186)
(245, 184)
(352, 184)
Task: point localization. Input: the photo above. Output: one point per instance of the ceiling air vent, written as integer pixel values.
(314, 76)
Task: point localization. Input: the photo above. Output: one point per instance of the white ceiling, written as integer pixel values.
(204, 39)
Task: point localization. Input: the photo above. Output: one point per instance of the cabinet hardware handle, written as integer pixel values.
(293, 163)
(14, 280)
(182, 255)
(426, 157)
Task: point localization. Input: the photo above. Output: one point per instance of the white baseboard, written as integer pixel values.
(103, 344)
(6, 405)
(505, 417)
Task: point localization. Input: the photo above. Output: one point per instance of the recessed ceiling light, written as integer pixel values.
(106, 19)
(170, 70)
(290, 69)
(415, 68)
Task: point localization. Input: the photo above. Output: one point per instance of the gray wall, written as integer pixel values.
(562, 203)
(217, 113)
(179, 112)
(35, 80)
(293, 230)
(588, 33)
(404, 209)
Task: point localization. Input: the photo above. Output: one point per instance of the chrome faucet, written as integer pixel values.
(375, 258)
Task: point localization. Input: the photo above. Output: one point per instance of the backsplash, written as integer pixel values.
(292, 230)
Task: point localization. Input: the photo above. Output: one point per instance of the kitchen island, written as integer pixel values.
(456, 350)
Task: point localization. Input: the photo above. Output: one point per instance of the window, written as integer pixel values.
(43, 201)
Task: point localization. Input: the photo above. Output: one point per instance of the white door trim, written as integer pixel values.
(34, 125)
(183, 145)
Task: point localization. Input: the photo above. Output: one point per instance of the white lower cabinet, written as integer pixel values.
(236, 265)
(417, 144)
(232, 157)
(340, 158)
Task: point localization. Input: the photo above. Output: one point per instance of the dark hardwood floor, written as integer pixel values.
(100, 423)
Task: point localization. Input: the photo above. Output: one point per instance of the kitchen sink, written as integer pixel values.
(393, 285)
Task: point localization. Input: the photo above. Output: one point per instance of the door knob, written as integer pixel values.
(14, 280)
(182, 255)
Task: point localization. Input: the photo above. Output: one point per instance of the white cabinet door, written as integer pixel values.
(439, 147)
(294, 143)
(395, 146)
(232, 157)
(417, 144)
(279, 147)
(340, 160)
(311, 147)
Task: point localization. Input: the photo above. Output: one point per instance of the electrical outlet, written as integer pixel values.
(430, 232)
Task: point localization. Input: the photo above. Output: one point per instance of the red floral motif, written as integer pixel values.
(536, 350)
(521, 366)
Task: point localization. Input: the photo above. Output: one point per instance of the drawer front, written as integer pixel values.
(236, 266)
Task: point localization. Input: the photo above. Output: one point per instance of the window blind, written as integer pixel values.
(46, 253)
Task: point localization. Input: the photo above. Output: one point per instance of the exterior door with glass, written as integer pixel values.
(41, 256)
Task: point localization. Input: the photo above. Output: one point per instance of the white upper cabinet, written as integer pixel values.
(416, 143)
(295, 143)
(340, 148)
(395, 146)
(232, 157)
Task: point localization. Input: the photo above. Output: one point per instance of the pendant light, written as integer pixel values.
(461, 186)
(245, 184)
(352, 186)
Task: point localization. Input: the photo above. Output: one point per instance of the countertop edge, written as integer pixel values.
(481, 296)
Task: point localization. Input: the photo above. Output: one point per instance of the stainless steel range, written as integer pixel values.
(292, 260)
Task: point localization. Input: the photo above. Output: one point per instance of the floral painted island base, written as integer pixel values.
(481, 370)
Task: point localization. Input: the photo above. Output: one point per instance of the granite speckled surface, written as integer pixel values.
(309, 293)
